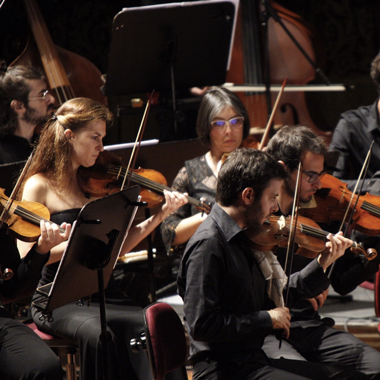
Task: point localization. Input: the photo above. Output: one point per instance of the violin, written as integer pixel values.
(106, 175)
(333, 199)
(309, 237)
(23, 218)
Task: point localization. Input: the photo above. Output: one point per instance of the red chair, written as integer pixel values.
(164, 340)
(59, 346)
(377, 296)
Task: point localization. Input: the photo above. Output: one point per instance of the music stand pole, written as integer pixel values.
(89, 258)
(104, 334)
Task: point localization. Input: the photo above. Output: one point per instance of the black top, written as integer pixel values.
(224, 290)
(352, 138)
(26, 271)
(15, 148)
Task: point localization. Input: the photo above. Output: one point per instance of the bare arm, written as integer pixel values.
(187, 227)
(35, 190)
(173, 200)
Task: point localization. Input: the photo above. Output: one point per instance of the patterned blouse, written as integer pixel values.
(197, 179)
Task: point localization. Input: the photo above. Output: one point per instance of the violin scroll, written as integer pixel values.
(358, 249)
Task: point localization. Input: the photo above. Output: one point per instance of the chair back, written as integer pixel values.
(377, 294)
(165, 339)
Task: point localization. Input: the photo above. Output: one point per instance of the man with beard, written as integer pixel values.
(224, 281)
(25, 103)
(312, 338)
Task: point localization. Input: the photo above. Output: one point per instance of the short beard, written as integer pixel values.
(31, 117)
(254, 216)
(291, 191)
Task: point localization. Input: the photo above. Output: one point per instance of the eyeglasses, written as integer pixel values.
(314, 176)
(235, 122)
(43, 96)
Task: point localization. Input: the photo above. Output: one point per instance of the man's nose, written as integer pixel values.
(318, 183)
(50, 98)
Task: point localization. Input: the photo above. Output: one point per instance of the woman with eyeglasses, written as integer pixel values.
(222, 124)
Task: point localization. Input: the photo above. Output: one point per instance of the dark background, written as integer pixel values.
(345, 36)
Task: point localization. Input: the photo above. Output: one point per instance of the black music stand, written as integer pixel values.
(90, 257)
(170, 46)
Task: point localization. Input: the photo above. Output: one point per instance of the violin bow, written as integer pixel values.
(264, 139)
(15, 190)
(293, 229)
(291, 239)
(362, 174)
(137, 143)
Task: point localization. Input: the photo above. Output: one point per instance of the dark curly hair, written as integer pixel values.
(244, 168)
(291, 142)
(14, 86)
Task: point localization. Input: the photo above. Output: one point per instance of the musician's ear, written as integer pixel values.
(248, 196)
(69, 134)
(284, 165)
(17, 105)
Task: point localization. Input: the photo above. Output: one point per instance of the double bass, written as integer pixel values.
(254, 60)
(68, 74)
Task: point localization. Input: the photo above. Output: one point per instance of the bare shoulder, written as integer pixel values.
(36, 188)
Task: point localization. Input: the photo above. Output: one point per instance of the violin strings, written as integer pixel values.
(371, 208)
(312, 231)
(31, 217)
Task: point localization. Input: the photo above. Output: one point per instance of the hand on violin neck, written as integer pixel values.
(335, 248)
(173, 200)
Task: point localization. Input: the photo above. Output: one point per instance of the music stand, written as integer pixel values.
(170, 46)
(91, 255)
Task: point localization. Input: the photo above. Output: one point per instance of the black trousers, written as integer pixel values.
(81, 324)
(253, 366)
(23, 355)
(327, 345)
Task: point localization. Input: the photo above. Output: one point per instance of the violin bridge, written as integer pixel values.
(281, 222)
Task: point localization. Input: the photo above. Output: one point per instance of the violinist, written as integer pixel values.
(25, 103)
(23, 355)
(71, 138)
(228, 311)
(312, 338)
(222, 124)
(352, 138)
